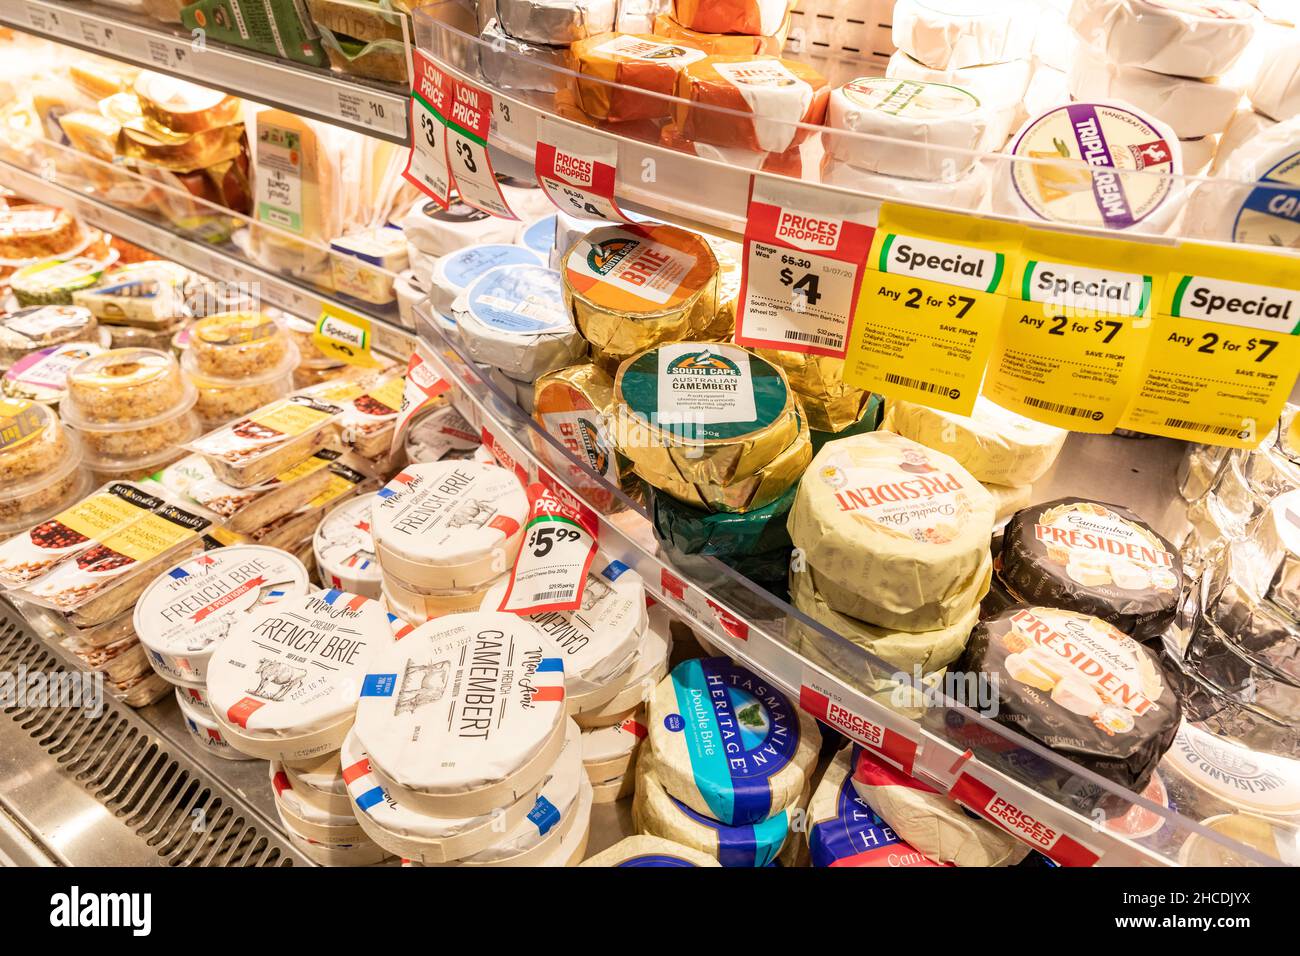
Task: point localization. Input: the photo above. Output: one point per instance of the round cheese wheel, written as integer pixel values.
(843, 830)
(1048, 88)
(455, 272)
(538, 235)
(1088, 153)
(448, 525)
(1246, 125)
(465, 713)
(1098, 559)
(1080, 687)
(624, 65)
(893, 531)
(1214, 775)
(952, 34)
(345, 550)
(919, 130)
(189, 609)
(1188, 38)
(771, 745)
(650, 851)
(649, 668)
(1000, 88)
(310, 818)
(608, 753)
(925, 819)
(513, 317)
(284, 684)
(205, 731)
(1189, 106)
(1198, 154)
(1275, 91)
(1255, 200)
(342, 854)
(1008, 499)
(994, 444)
(435, 231)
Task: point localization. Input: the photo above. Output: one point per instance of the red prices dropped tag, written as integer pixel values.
(802, 268)
(577, 170)
(551, 571)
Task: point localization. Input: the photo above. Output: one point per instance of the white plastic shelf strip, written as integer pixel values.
(309, 92)
(207, 260)
(1033, 817)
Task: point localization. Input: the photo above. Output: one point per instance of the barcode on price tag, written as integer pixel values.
(578, 170)
(431, 93)
(553, 562)
(802, 268)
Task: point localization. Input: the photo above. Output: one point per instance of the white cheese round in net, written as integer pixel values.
(448, 525)
(923, 130)
(728, 743)
(907, 521)
(205, 731)
(1191, 107)
(189, 609)
(610, 752)
(465, 713)
(962, 192)
(327, 824)
(599, 640)
(650, 851)
(930, 822)
(435, 231)
(1275, 91)
(746, 845)
(1183, 38)
(647, 670)
(345, 551)
(1256, 197)
(513, 318)
(1000, 88)
(285, 682)
(951, 34)
(994, 444)
(390, 821)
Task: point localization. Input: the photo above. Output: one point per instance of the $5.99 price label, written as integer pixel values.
(802, 268)
(559, 546)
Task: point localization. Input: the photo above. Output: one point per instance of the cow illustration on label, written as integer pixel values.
(470, 514)
(276, 680)
(421, 684)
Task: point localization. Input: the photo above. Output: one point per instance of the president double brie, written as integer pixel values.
(285, 682)
(951, 34)
(994, 444)
(514, 319)
(1191, 107)
(448, 525)
(465, 713)
(1179, 37)
(189, 609)
(893, 531)
(729, 744)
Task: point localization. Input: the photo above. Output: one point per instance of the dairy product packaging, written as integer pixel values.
(1256, 199)
(620, 65)
(1190, 107)
(952, 34)
(650, 851)
(1001, 89)
(1194, 38)
(514, 319)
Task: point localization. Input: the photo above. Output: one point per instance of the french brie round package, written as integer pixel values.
(189, 609)
(896, 534)
(465, 713)
(647, 670)
(609, 753)
(285, 682)
(345, 550)
(642, 850)
(770, 743)
(1196, 38)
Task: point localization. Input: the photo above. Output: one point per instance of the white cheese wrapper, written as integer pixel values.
(465, 713)
(1275, 91)
(345, 550)
(205, 731)
(650, 851)
(1191, 107)
(1266, 212)
(514, 319)
(455, 272)
(1008, 499)
(996, 445)
(610, 752)
(435, 231)
(929, 821)
(1189, 38)
(777, 98)
(648, 669)
(1000, 87)
(1047, 88)
(1246, 125)
(1198, 154)
(951, 34)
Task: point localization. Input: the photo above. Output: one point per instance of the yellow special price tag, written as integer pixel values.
(1224, 352)
(927, 316)
(1075, 329)
(345, 336)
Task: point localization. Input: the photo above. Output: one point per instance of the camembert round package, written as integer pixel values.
(829, 403)
(599, 640)
(722, 534)
(650, 851)
(925, 819)
(455, 272)
(1079, 686)
(844, 831)
(1192, 107)
(320, 782)
(465, 713)
(609, 753)
(727, 743)
(1195, 38)
(345, 550)
(1100, 164)
(656, 813)
(308, 817)
(952, 34)
(514, 319)
(762, 103)
(622, 65)
(448, 525)
(995, 445)
(894, 532)
(188, 610)
(1094, 558)
(919, 130)
(631, 287)
(284, 684)
(707, 413)
(649, 668)
(435, 231)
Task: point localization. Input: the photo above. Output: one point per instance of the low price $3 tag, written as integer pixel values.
(551, 571)
(431, 94)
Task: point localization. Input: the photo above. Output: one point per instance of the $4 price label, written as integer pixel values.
(558, 548)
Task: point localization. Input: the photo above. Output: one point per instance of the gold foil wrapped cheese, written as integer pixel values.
(184, 107)
(631, 287)
(702, 413)
(830, 403)
(573, 405)
(143, 139)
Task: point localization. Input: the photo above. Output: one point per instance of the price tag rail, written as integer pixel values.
(377, 109)
(746, 623)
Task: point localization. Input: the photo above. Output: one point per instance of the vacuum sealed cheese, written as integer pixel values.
(894, 532)
(776, 96)
(184, 107)
(555, 22)
(627, 63)
(773, 744)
